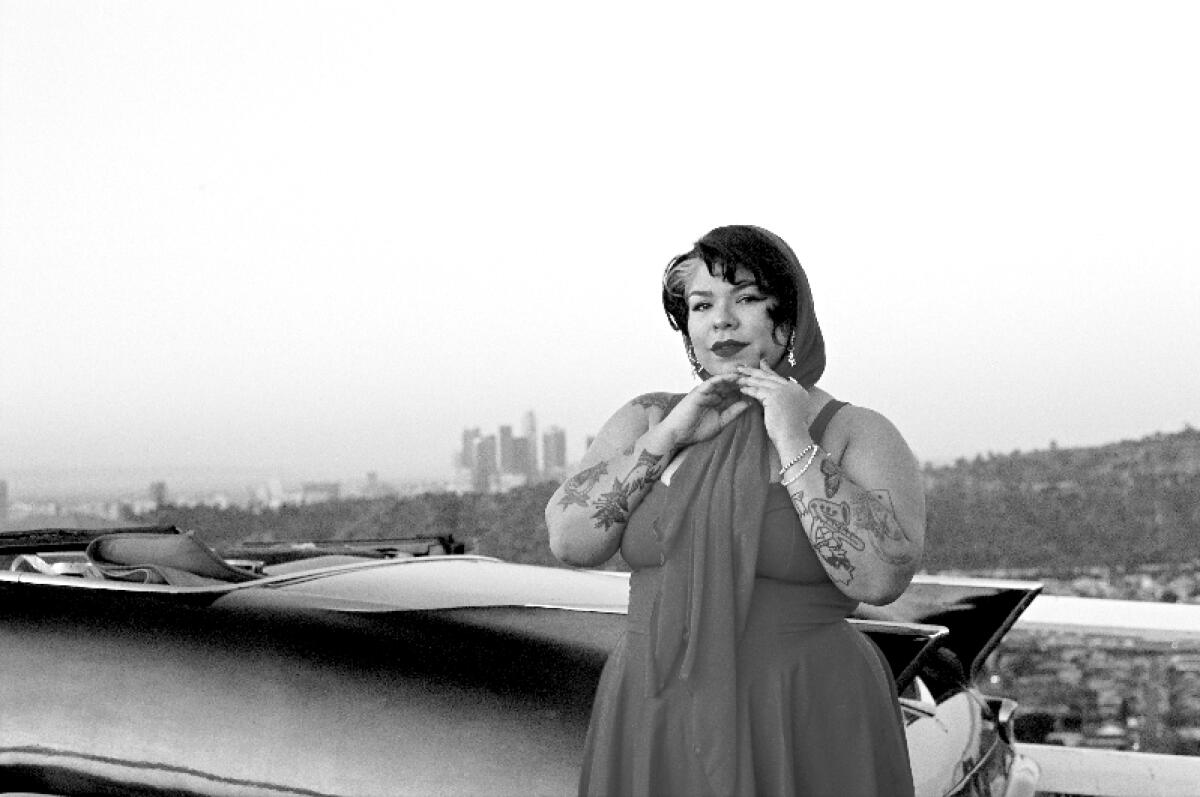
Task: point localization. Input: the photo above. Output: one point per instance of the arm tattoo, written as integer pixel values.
(612, 507)
(833, 476)
(874, 512)
(665, 402)
(578, 489)
(830, 534)
(653, 463)
(798, 501)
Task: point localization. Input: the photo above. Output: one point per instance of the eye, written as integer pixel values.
(752, 298)
(698, 306)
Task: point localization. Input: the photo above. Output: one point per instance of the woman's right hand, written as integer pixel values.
(703, 412)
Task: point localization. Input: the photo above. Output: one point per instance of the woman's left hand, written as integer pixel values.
(787, 406)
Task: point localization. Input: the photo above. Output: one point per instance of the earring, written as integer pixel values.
(791, 349)
(691, 354)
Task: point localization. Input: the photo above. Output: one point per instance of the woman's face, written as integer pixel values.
(728, 322)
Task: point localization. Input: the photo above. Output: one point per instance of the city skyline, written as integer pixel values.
(241, 485)
(495, 462)
(511, 455)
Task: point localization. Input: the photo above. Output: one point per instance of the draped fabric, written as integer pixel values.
(710, 530)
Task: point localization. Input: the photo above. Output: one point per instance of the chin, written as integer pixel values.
(718, 367)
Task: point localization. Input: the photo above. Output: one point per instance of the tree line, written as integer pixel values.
(1123, 505)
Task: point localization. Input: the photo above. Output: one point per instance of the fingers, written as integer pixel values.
(765, 384)
(722, 385)
(756, 392)
(732, 411)
(754, 380)
(764, 370)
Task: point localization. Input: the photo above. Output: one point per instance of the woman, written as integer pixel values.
(755, 512)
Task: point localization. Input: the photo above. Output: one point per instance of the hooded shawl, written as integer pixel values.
(710, 529)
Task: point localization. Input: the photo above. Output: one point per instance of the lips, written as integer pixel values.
(727, 348)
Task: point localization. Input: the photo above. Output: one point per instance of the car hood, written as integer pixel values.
(431, 583)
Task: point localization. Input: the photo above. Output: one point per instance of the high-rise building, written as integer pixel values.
(529, 429)
(503, 461)
(3, 500)
(466, 455)
(554, 453)
(508, 460)
(484, 476)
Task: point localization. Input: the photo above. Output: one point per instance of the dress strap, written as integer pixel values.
(817, 430)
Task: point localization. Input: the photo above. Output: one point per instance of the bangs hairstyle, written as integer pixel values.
(722, 252)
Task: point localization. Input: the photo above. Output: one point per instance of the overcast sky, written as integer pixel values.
(323, 237)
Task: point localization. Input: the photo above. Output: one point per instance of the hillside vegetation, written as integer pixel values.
(1123, 505)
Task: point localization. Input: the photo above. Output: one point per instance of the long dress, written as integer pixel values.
(810, 699)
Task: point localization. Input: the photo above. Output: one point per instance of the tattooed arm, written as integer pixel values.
(865, 517)
(864, 512)
(586, 516)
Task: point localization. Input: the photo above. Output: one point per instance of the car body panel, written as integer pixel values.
(324, 702)
(415, 675)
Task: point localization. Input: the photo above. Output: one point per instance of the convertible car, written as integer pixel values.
(141, 662)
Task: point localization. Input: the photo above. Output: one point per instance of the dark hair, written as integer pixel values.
(723, 251)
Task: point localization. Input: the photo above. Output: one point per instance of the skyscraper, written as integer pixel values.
(484, 475)
(466, 455)
(3, 500)
(508, 460)
(529, 428)
(504, 461)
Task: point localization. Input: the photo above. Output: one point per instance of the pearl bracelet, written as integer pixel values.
(796, 459)
(811, 457)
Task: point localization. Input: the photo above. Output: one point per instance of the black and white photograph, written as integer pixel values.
(644, 399)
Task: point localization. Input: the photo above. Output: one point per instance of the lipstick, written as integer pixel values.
(727, 348)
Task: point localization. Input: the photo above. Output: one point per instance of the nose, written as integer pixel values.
(724, 317)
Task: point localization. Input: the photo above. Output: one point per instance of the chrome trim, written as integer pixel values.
(1004, 710)
(987, 759)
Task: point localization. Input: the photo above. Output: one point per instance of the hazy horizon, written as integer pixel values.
(237, 481)
(326, 238)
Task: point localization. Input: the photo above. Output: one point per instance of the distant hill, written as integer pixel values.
(1123, 504)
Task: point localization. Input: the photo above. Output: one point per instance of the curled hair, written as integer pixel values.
(775, 270)
(723, 251)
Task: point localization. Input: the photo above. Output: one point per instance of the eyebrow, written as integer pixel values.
(737, 286)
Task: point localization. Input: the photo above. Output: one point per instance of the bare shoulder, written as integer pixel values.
(856, 431)
(866, 423)
(875, 455)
